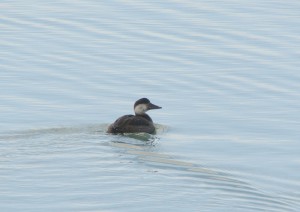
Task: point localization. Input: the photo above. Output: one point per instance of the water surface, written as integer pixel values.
(225, 72)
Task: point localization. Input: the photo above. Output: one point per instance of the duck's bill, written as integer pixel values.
(152, 106)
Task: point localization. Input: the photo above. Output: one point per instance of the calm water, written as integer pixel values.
(225, 72)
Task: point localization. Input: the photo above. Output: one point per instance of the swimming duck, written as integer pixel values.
(140, 122)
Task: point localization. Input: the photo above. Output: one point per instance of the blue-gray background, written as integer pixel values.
(225, 72)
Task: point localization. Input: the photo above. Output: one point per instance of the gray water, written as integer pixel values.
(225, 72)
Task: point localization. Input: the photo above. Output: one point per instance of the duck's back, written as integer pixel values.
(132, 124)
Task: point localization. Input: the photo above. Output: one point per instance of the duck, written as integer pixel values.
(138, 123)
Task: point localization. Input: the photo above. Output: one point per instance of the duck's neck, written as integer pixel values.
(146, 116)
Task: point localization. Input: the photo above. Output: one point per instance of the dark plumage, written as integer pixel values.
(140, 122)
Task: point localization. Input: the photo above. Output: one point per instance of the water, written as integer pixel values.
(225, 72)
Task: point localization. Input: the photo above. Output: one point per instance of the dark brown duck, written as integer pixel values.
(140, 122)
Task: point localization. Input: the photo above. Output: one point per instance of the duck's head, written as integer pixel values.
(142, 105)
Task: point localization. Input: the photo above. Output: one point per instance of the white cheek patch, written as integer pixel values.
(140, 109)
